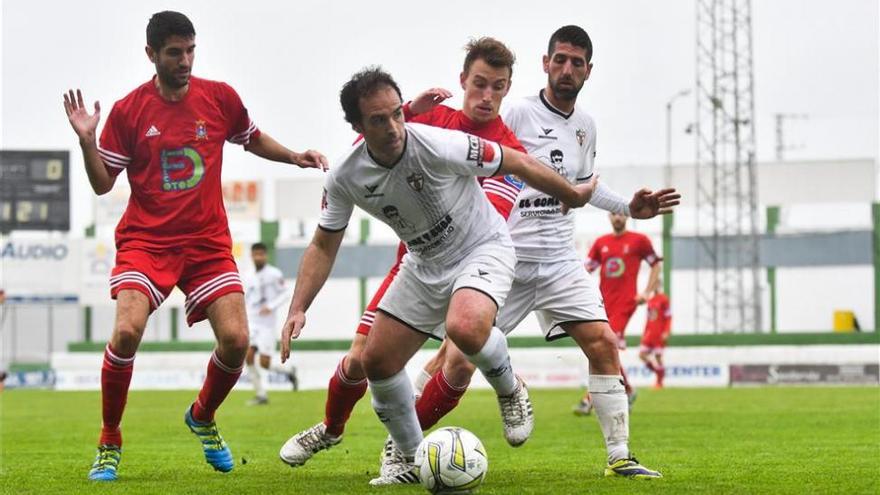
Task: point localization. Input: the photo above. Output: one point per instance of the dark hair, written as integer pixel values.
(363, 84)
(166, 24)
(574, 35)
(491, 51)
(259, 246)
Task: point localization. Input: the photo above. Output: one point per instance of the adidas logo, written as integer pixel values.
(152, 132)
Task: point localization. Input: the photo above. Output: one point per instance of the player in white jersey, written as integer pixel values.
(264, 293)
(460, 262)
(550, 278)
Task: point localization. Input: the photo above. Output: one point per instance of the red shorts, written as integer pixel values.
(618, 318)
(203, 274)
(370, 313)
(651, 347)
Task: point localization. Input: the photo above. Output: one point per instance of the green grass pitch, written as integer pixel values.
(749, 440)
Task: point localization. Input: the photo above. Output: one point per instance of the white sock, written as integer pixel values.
(395, 405)
(493, 361)
(610, 404)
(420, 381)
(257, 379)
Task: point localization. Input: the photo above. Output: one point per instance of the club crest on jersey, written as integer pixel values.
(581, 136)
(416, 181)
(201, 130)
(514, 181)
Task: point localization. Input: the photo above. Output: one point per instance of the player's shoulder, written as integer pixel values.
(515, 106)
(135, 98)
(639, 236)
(345, 164)
(274, 271)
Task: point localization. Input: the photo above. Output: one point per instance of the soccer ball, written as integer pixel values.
(451, 460)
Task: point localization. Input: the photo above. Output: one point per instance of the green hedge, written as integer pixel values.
(731, 339)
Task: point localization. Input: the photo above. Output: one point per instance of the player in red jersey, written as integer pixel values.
(485, 78)
(620, 255)
(168, 136)
(657, 330)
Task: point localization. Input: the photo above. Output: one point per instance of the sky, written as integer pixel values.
(288, 61)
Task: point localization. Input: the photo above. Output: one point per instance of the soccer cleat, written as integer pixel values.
(106, 463)
(402, 472)
(302, 446)
(516, 415)
(391, 457)
(217, 453)
(258, 401)
(583, 408)
(630, 468)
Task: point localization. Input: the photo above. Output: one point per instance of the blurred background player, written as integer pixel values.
(485, 79)
(620, 255)
(264, 293)
(168, 136)
(657, 329)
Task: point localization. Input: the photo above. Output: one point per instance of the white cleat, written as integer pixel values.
(516, 415)
(402, 472)
(302, 446)
(390, 458)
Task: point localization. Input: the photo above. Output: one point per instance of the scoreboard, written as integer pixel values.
(34, 190)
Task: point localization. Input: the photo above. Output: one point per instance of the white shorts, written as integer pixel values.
(263, 338)
(419, 295)
(558, 292)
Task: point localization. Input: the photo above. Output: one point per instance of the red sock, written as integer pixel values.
(626, 385)
(342, 395)
(218, 383)
(661, 372)
(438, 398)
(115, 379)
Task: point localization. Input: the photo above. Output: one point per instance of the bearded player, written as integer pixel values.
(168, 136)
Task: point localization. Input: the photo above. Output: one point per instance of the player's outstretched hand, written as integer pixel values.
(585, 192)
(648, 204)
(311, 159)
(429, 99)
(291, 330)
(83, 124)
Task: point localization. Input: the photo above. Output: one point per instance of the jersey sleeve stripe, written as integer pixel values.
(120, 167)
(489, 188)
(332, 231)
(113, 156)
(115, 161)
(500, 160)
(503, 185)
(579, 179)
(245, 136)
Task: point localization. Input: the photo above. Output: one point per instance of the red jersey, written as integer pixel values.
(620, 258)
(172, 153)
(501, 192)
(659, 321)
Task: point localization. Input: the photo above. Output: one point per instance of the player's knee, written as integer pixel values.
(353, 365)
(468, 335)
(234, 342)
(605, 343)
(128, 336)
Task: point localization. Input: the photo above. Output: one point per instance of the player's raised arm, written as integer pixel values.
(85, 126)
(542, 178)
(266, 147)
(313, 272)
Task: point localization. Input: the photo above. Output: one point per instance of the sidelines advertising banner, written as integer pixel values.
(804, 374)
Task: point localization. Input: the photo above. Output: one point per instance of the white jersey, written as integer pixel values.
(429, 197)
(264, 288)
(567, 144)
